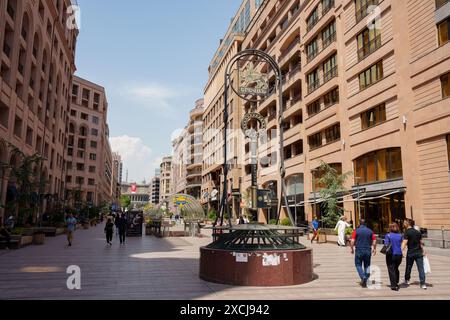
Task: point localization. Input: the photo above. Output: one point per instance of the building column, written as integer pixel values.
(4, 188)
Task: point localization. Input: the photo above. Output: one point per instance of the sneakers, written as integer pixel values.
(364, 283)
(395, 288)
(407, 283)
(423, 286)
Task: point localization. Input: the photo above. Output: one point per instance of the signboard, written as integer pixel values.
(241, 257)
(180, 201)
(253, 82)
(133, 188)
(253, 116)
(264, 199)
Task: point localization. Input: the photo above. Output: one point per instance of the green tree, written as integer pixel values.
(333, 184)
(29, 184)
(125, 201)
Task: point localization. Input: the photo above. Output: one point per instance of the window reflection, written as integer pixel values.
(380, 165)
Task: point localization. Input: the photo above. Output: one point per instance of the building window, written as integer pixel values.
(379, 166)
(315, 141)
(328, 35)
(73, 113)
(312, 49)
(91, 182)
(314, 108)
(18, 127)
(331, 98)
(330, 69)
(326, 6)
(448, 151)
(362, 8)
(313, 81)
(440, 3)
(371, 75)
(4, 115)
(95, 120)
(29, 136)
(94, 144)
(80, 180)
(80, 166)
(373, 117)
(444, 31)
(312, 19)
(333, 133)
(94, 132)
(92, 169)
(319, 174)
(93, 156)
(369, 41)
(445, 83)
(84, 116)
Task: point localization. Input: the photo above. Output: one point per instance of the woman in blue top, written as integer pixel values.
(395, 257)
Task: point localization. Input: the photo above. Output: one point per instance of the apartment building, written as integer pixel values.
(139, 193)
(165, 190)
(155, 188)
(88, 154)
(117, 171)
(188, 155)
(365, 88)
(37, 61)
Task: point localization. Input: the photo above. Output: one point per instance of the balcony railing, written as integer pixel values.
(369, 48)
(327, 8)
(363, 11)
(332, 73)
(312, 23)
(289, 49)
(326, 42)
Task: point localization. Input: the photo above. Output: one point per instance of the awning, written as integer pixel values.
(380, 194)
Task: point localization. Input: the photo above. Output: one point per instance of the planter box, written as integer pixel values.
(322, 238)
(39, 239)
(26, 241)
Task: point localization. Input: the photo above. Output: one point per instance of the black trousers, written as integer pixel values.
(109, 236)
(393, 263)
(122, 236)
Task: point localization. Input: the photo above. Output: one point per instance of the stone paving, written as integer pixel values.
(167, 269)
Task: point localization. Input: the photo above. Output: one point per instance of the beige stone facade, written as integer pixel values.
(89, 156)
(37, 62)
(166, 187)
(188, 155)
(365, 88)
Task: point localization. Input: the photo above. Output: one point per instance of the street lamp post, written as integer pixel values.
(359, 198)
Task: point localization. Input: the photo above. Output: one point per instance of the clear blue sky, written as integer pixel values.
(152, 57)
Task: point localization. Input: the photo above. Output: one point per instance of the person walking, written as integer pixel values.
(109, 230)
(71, 224)
(341, 226)
(315, 227)
(395, 256)
(413, 242)
(363, 239)
(122, 226)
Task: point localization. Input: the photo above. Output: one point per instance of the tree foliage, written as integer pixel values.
(333, 186)
(125, 201)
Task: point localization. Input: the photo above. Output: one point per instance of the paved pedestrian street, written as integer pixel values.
(167, 269)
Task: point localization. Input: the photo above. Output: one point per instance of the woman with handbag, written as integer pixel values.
(394, 255)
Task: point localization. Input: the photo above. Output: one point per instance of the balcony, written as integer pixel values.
(294, 43)
(369, 48)
(327, 8)
(363, 12)
(326, 42)
(441, 3)
(332, 73)
(311, 23)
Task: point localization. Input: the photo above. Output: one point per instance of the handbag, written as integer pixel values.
(387, 249)
(426, 265)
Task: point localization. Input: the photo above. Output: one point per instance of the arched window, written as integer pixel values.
(381, 165)
(83, 131)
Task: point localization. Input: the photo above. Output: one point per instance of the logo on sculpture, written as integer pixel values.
(249, 132)
(253, 82)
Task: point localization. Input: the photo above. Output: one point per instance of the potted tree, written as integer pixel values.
(333, 183)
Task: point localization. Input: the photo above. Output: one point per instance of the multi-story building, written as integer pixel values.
(88, 154)
(154, 196)
(139, 193)
(165, 190)
(364, 91)
(188, 155)
(117, 177)
(37, 61)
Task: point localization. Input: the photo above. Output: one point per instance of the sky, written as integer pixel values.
(152, 58)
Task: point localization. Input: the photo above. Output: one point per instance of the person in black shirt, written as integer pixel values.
(109, 230)
(121, 224)
(413, 242)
